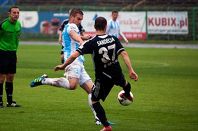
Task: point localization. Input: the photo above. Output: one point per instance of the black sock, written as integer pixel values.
(9, 91)
(127, 89)
(100, 113)
(1, 92)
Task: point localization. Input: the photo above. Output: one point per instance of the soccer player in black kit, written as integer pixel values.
(105, 50)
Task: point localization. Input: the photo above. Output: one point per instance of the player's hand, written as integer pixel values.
(133, 75)
(89, 36)
(58, 67)
(86, 37)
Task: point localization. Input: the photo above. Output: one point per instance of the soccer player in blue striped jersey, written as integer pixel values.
(75, 73)
(113, 27)
(64, 23)
(62, 26)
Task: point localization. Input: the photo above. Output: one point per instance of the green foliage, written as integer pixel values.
(165, 95)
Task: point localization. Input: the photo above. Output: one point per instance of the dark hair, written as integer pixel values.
(114, 11)
(100, 23)
(12, 8)
(75, 11)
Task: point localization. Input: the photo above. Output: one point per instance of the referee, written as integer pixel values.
(10, 30)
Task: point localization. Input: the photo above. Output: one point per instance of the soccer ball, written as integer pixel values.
(124, 100)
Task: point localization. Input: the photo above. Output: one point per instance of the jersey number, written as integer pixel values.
(105, 51)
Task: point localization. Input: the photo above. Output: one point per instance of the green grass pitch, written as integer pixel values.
(166, 95)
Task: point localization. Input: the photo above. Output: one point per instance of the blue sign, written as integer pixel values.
(41, 22)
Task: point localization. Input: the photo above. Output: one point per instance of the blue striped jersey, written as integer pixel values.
(69, 44)
(113, 28)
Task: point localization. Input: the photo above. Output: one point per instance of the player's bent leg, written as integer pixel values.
(57, 82)
(97, 121)
(87, 86)
(85, 81)
(73, 82)
(61, 82)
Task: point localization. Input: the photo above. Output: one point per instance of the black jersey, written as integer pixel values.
(105, 50)
(62, 26)
(66, 21)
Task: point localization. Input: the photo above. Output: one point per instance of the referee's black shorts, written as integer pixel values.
(104, 84)
(8, 61)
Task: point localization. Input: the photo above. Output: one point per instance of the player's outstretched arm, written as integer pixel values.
(123, 36)
(127, 61)
(67, 62)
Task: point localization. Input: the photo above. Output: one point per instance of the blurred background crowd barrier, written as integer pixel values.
(139, 19)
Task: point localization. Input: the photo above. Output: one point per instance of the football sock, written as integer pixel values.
(58, 82)
(9, 91)
(90, 104)
(127, 89)
(1, 92)
(100, 113)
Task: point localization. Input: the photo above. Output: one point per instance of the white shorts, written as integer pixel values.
(77, 71)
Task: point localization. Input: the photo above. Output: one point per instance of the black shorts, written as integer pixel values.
(104, 84)
(8, 61)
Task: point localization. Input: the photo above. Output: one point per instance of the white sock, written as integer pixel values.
(58, 82)
(90, 104)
